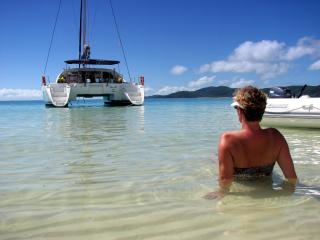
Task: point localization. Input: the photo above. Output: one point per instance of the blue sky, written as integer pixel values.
(175, 44)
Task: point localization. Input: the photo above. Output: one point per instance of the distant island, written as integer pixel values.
(223, 91)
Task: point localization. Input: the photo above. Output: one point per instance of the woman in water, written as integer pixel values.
(252, 152)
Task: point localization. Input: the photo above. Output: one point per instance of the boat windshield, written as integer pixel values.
(91, 76)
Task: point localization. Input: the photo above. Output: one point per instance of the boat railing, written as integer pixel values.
(138, 80)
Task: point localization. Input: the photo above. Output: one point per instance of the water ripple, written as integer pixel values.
(141, 173)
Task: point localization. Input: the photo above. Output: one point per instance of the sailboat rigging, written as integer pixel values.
(90, 80)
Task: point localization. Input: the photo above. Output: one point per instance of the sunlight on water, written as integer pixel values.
(95, 172)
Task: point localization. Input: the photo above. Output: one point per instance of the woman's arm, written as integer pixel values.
(284, 159)
(225, 168)
(225, 162)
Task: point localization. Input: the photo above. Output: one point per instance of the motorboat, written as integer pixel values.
(285, 110)
(87, 78)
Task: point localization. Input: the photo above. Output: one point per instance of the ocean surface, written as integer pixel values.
(96, 172)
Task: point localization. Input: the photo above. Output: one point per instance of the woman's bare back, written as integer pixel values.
(254, 148)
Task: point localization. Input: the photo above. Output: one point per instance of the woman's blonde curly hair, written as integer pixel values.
(254, 102)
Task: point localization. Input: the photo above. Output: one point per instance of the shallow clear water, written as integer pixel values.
(95, 172)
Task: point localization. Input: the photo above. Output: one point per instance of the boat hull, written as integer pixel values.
(301, 112)
(291, 120)
(61, 94)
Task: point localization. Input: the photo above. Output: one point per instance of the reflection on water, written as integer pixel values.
(92, 137)
(99, 172)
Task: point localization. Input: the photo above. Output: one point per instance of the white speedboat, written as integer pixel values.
(283, 110)
(85, 77)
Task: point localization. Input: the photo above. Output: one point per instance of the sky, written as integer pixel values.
(175, 44)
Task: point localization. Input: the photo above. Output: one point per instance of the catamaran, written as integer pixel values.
(86, 77)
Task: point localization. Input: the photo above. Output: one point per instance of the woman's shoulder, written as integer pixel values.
(228, 137)
(273, 131)
(275, 134)
(229, 134)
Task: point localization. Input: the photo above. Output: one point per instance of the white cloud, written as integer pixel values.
(19, 94)
(223, 82)
(191, 86)
(272, 70)
(266, 58)
(264, 50)
(298, 52)
(148, 90)
(305, 46)
(235, 82)
(201, 82)
(239, 83)
(264, 69)
(178, 70)
(205, 68)
(315, 65)
(170, 89)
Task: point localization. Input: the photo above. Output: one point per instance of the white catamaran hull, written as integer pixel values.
(301, 112)
(61, 94)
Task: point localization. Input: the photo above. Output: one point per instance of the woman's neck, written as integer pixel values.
(251, 126)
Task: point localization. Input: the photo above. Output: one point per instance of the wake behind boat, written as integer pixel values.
(88, 79)
(284, 110)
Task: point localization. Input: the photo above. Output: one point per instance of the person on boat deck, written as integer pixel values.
(252, 152)
(61, 79)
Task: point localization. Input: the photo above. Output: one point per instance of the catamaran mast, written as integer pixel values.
(84, 48)
(80, 31)
(84, 23)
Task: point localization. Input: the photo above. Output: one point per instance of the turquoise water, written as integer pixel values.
(95, 172)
